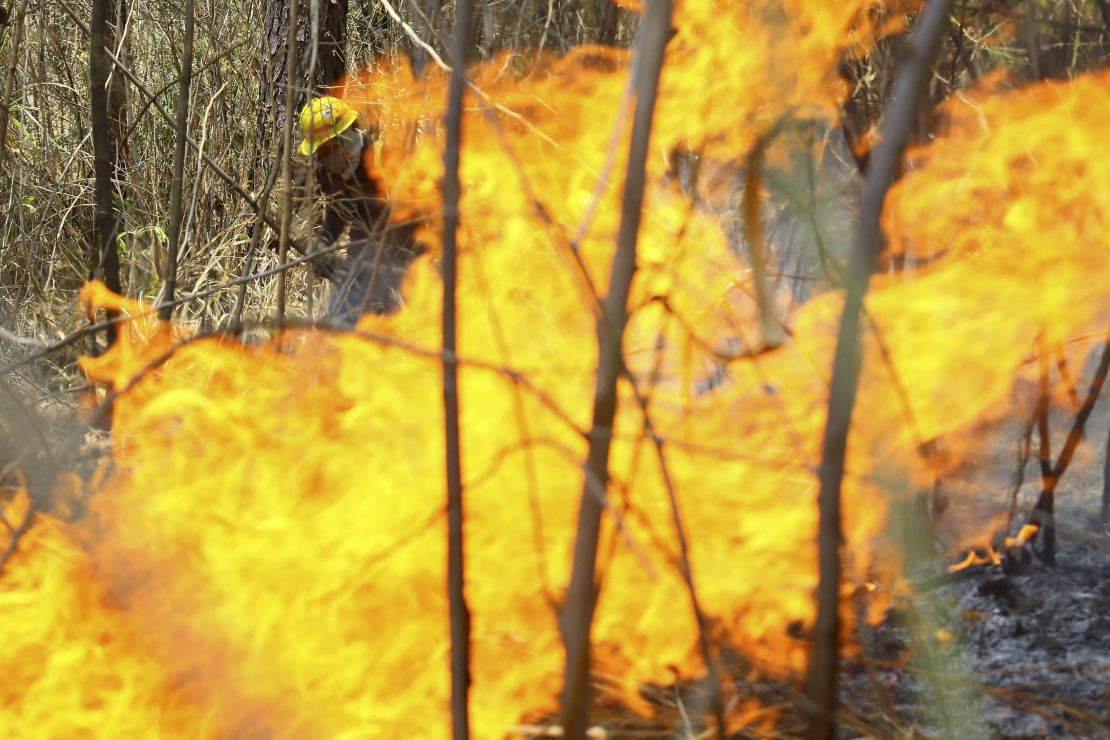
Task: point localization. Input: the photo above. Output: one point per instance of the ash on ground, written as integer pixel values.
(1017, 650)
(1024, 654)
(1039, 640)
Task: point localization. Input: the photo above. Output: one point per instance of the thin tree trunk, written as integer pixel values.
(322, 63)
(456, 594)
(287, 157)
(105, 257)
(898, 122)
(9, 78)
(1105, 516)
(177, 181)
(582, 591)
(607, 30)
(1043, 511)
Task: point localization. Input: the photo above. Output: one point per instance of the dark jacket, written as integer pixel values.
(379, 252)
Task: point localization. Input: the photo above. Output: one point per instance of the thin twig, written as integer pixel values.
(17, 339)
(252, 247)
(711, 666)
(17, 534)
(413, 35)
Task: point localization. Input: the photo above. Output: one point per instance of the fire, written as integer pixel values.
(74, 664)
(550, 132)
(266, 555)
(990, 556)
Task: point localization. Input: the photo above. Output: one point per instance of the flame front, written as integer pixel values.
(267, 556)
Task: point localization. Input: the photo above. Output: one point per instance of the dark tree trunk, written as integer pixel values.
(9, 77)
(427, 24)
(607, 28)
(107, 112)
(177, 179)
(459, 610)
(910, 89)
(321, 63)
(1105, 516)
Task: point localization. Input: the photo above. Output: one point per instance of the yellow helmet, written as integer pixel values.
(322, 120)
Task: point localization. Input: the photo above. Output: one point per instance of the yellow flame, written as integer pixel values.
(267, 556)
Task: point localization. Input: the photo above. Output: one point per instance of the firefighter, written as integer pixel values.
(378, 253)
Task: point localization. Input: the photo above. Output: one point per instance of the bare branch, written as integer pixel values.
(1043, 511)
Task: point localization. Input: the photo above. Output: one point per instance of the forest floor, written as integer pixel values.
(1028, 653)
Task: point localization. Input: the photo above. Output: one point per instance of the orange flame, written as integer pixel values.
(140, 338)
(990, 556)
(267, 555)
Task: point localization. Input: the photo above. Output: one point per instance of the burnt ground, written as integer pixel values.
(1026, 654)
(1042, 636)
(1017, 650)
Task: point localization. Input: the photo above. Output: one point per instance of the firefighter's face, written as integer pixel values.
(342, 155)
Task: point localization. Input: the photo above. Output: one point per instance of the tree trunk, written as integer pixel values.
(427, 22)
(107, 109)
(9, 84)
(321, 63)
(607, 27)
